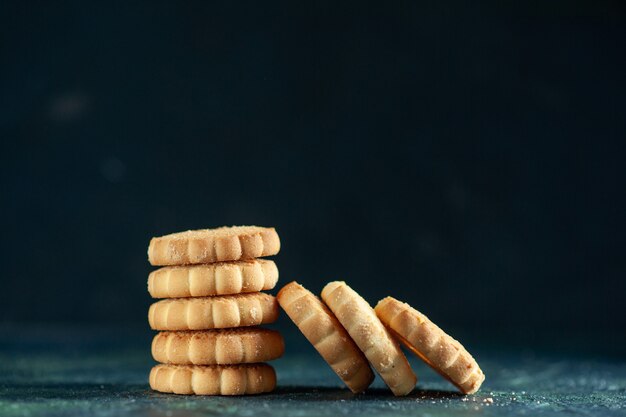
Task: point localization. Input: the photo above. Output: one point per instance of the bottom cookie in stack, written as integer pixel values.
(255, 378)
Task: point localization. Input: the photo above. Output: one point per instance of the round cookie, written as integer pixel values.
(213, 245)
(213, 380)
(330, 339)
(203, 313)
(218, 347)
(371, 336)
(444, 354)
(220, 278)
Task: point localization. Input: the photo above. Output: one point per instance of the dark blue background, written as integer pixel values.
(467, 157)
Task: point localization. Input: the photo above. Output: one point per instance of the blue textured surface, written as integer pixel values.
(90, 380)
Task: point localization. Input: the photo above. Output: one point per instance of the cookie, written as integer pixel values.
(213, 279)
(371, 336)
(213, 380)
(213, 245)
(213, 312)
(444, 354)
(330, 339)
(218, 347)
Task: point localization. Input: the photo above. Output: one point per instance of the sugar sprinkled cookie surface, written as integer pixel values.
(213, 245)
(443, 353)
(327, 335)
(371, 336)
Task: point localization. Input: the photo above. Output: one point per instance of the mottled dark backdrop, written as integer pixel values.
(466, 157)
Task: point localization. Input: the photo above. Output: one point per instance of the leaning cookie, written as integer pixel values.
(330, 339)
(218, 347)
(220, 278)
(444, 354)
(213, 245)
(203, 313)
(371, 336)
(213, 380)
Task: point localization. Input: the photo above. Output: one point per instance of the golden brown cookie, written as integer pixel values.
(218, 347)
(321, 328)
(220, 278)
(444, 354)
(213, 245)
(371, 336)
(213, 380)
(213, 312)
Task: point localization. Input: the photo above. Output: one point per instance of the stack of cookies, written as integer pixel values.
(210, 282)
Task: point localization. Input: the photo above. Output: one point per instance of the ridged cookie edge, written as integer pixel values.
(213, 380)
(371, 336)
(221, 278)
(218, 347)
(327, 335)
(204, 313)
(434, 346)
(213, 245)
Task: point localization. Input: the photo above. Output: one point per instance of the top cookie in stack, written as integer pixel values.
(211, 281)
(213, 245)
